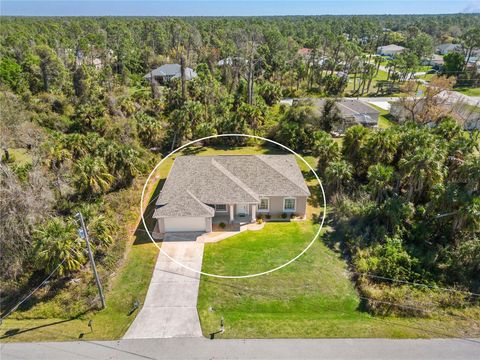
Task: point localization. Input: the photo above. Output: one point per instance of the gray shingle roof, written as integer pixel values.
(186, 204)
(391, 47)
(227, 179)
(351, 108)
(173, 70)
(448, 47)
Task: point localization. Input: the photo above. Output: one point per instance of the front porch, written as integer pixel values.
(233, 216)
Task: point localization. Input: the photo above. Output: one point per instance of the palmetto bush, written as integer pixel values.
(57, 244)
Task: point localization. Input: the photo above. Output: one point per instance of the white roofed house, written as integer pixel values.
(166, 72)
(232, 61)
(390, 50)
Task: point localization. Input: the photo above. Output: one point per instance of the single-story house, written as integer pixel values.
(230, 61)
(467, 116)
(353, 112)
(304, 52)
(205, 190)
(444, 49)
(436, 61)
(390, 50)
(166, 72)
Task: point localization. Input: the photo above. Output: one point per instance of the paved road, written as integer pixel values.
(170, 308)
(453, 97)
(279, 349)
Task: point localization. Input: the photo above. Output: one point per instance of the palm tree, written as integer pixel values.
(354, 149)
(92, 176)
(251, 115)
(57, 155)
(338, 174)
(380, 178)
(325, 148)
(382, 146)
(77, 144)
(421, 171)
(57, 244)
(127, 164)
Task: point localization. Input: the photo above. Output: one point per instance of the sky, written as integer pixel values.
(232, 7)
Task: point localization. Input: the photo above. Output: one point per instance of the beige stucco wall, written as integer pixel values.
(161, 225)
(276, 205)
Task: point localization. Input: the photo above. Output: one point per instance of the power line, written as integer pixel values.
(415, 283)
(33, 291)
(409, 282)
(437, 331)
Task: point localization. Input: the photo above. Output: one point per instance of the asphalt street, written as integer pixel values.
(280, 349)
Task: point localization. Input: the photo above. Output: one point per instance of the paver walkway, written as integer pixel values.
(170, 308)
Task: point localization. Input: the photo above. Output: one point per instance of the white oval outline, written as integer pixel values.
(234, 276)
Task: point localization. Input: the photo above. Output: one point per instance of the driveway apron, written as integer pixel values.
(170, 308)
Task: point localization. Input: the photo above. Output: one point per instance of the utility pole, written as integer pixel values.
(84, 235)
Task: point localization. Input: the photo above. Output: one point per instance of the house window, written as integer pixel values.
(264, 205)
(289, 204)
(221, 208)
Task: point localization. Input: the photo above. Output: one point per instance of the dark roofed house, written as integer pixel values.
(353, 112)
(166, 72)
(205, 190)
(444, 49)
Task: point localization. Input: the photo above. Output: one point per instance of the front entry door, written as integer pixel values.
(242, 210)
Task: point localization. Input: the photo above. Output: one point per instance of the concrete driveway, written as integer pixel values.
(170, 308)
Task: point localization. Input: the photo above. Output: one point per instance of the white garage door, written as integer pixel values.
(185, 224)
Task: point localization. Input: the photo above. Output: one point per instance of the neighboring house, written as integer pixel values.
(230, 61)
(201, 190)
(472, 62)
(304, 52)
(390, 50)
(444, 49)
(166, 72)
(436, 61)
(97, 62)
(467, 116)
(353, 112)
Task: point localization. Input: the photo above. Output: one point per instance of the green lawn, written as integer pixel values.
(382, 75)
(469, 91)
(130, 282)
(312, 297)
(385, 120)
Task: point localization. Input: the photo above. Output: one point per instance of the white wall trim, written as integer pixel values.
(290, 198)
(268, 207)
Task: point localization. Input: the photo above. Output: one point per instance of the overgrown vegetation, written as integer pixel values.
(406, 207)
(81, 125)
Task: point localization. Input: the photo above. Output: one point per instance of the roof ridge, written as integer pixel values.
(234, 179)
(262, 158)
(205, 206)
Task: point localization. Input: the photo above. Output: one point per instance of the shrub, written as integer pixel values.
(407, 300)
(260, 216)
(222, 225)
(293, 215)
(268, 216)
(390, 259)
(259, 221)
(284, 215)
